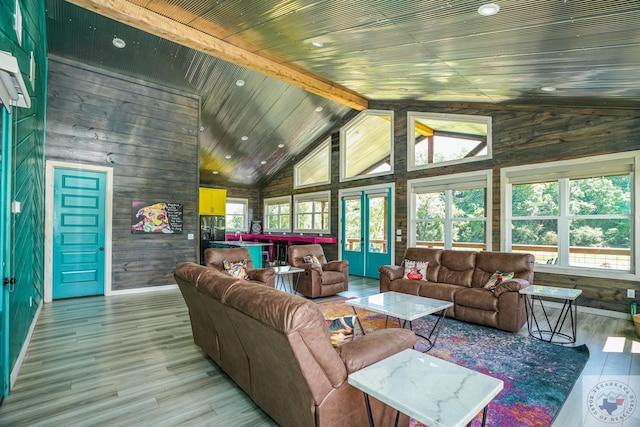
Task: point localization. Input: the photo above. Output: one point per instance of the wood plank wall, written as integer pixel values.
(27, 239)
(149, 135)
(522, 134)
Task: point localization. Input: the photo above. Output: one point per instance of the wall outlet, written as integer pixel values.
(631, 293)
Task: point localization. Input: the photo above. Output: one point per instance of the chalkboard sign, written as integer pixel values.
(158, 217)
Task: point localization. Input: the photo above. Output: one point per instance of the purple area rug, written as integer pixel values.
(537, 376)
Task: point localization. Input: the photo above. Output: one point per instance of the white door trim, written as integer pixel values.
(51, 165)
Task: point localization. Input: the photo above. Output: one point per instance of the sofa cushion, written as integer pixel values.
(497, 278)
(432, 256)
(441, 291)
(479, 298)
(457, 267)
(406, 286)
(488, 262)
(415, 270)
(236, 268)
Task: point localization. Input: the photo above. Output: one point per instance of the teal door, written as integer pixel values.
(366, 231)
(78, 233)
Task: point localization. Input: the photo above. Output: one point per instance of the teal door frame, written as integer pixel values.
(366, 259)
(50, 167)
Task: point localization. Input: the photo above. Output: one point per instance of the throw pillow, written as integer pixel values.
(236, 269)
(497, 278)
(415, 270)
(311, 259)
(340, 329)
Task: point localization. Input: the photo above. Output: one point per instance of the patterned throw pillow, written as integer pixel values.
(497, 278)
(311, 259)
(341, 329)
(415, 270)
(236, 269)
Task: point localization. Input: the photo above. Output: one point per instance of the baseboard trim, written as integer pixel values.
(144, 290)
(590, 310)
(13, 377)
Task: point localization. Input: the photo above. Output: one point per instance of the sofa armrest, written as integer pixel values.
(392, 272)
(336, 265)
(375, 346)
(261, 274)
(512, 285)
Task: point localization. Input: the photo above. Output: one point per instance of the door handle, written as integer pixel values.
(101, 248)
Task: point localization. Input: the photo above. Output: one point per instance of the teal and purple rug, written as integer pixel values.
(537, 376)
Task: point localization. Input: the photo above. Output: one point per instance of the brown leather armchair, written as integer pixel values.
(215, 257)
(328, 278)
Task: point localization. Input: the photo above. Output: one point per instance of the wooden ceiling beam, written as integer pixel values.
(166, 28)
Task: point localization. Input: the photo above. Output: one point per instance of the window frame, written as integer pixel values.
(411, 137)
(282, 200)
(297, 168)
(324, 196)
(460, 181)
(585, 167)
(343, 152)
(245, 213)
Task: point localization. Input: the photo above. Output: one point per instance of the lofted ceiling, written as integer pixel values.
(306, 65)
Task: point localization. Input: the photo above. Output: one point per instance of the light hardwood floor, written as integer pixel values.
(129, 360)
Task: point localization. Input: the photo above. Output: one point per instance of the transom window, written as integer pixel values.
(237, 214)
(277, 214)
(366, 145)
(574, 215)
(436, 139)
(311, 212)
(314, 169)
(450, 212)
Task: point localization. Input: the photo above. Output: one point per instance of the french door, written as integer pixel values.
(6, 230)
(366, 229)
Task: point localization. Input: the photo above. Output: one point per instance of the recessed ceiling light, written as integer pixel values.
(317, 43)
(244, 138)
(228, 156)
(118, 42)
(318, 109)
(239, 82)
(280, 145)
(264, 162)
(548, 89)
(215, 172)
(488, 9)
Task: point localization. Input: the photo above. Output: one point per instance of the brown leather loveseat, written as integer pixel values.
(460, 277)
(276, 347)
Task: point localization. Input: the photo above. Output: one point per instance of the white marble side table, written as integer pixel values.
(433, 391)
(286, 270)
(546, 331)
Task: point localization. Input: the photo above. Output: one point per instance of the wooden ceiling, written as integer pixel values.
(297, 57)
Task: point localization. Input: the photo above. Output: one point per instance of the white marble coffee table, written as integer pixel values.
(545, 331)
(428, 389)
(403, 306)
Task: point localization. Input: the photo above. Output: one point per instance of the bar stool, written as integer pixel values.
(281, 252)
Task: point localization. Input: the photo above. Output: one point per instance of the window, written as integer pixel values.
(311, 212)
(277, 214)
(237, 214)
(574, 215)
(436, 139)
(366, 145)
(314, 169)
(450, 212)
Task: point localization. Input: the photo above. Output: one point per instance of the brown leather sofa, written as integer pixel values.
(460, 276)
(215, 257)
(328, 278)
(276, 347)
